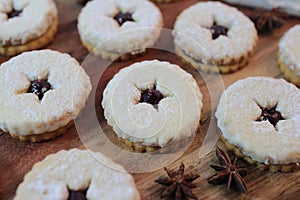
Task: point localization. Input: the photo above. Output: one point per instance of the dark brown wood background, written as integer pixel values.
(17, 158)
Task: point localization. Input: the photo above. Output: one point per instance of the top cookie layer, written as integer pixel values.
(176, 116)
(193, 35)
(239, 118)
(96, 25)
(34, 20)
(22, 112)
(289, 49)
(77, 170)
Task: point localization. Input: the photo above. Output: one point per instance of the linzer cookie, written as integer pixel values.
(26, 25)
(259, 119)
(77, 174)
(210, 34)
(151, 103)
(42, 92)
(119, 29)
(289, 55)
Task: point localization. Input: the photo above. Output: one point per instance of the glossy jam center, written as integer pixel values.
(14, 13)
(151, 96)
(121, 18)
(77, 195)
(272, 115)
(217, 30)
(39, 87)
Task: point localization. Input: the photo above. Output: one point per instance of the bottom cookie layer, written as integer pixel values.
(43, 136)
(271, 167)
(34, 44)
(289, 74)
(109, 55)
(130, 146)
(209, 68)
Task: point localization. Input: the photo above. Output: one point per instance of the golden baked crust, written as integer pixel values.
(37, 43)
(289, 74)
(44, 136)
(108, 55)
(271, 167)
(224, 66)
(130, 146)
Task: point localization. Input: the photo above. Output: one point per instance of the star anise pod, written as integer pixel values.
(178, 184)
(265, 20)
(228, 171)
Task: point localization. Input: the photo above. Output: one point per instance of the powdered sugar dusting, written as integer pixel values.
(140, 122)
(193, 36)
(96, 25)
(289, 49)
(23, 113)
(239, 109)
(77, 170)
(34, 21)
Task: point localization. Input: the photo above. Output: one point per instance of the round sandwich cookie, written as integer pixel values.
(42, 92)
(151, 103)
(26, 25)
(214, 37)
(119, 29)
(289, 55)
(77, 175)
(259, 119)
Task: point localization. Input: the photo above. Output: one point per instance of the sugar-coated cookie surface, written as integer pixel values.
(77, 170)
(289, 49)
(34, 20)
(193, 36)
(97, 26)
(22, 112)
(261, 117)
(177, 114)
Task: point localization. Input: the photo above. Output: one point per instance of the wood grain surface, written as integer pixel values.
(17, 158)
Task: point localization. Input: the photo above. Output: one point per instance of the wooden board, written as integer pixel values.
(17, 158)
